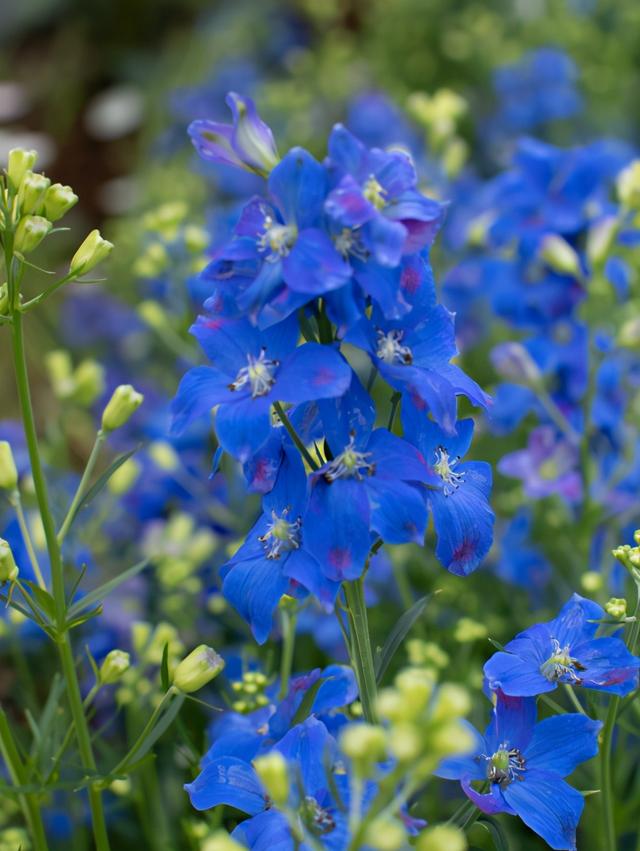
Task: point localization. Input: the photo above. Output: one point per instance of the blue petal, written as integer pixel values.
(512, 722)
(251, 138)
(244, 426)
(516, 676)
(312, 372)
(299, 185)
(338, 689)
(310, 747)
(347, 206)
(547, 805)
(385, 240)
(395, 458)
(290, 488)
(383, 285)
(609, 665)
(254, 589)
(200, 390)
(337, 527)
(562, 742)
(346, 152)
(571, 626)
(305, 569)
(428, 436)
(398, 511)
(472, 765)
(212, 140)
(229, 781)
(491, 803)
(268, 831)
(314, 266)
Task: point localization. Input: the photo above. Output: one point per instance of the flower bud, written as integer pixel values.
(114, 665)
(441, 837)
(59, 366)
(89, 382)
(451, 701)
(8, 568)
(124, 402)
(30, 232)
(164, 456)
(385, 834)
(92, 251)
(124, 477)
(273, 771)
(152, 313)
(616, 607)
(600, 239)
(197, 669)
(513, 362)
(405, 742)
(20, 162)
(196, 239)
(591, 581)
(31, 193)
(559, 255)
(628, 185)
(8, 471)
(221, 841)
(58, 200)
(364, 744)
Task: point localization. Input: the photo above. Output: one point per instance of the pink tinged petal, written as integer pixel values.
(212, 141)
(490, 803)
(312, 372)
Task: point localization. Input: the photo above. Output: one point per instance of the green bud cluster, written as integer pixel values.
(82, 384)
(249, 693)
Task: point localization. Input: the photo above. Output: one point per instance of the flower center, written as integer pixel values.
(444, 468)
(319, 820)
(281, 536)
(374, 193)
(259, 374)
(277, 240)
(348, 242)
(350, 464)
(561, 665)
(390, 348)
(505, 766)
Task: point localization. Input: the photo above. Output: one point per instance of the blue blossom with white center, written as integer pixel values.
(277, 556)
(375, 194)
(367, 487)
(564, 650)
(525, 764)
(458, 492)
(252, 370)
(247, 143)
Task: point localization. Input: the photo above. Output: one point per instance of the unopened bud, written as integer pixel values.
(406, 742)
(364, 744)
(115, 664)
(152, 313)
(8, 471)
(273, 771)
(197, 669)
(20, 162)
(628, 185)
(196, 239)
(8, 568)
(513, 362)
(58, 200)
(591, 581)
(385, 834)
(616, 607)
(31, 193)
(451, 701)
(92, 251)
(89, 382)
(600, 239)
(30, 232)
(629, 333)
(559, 255)
(124, 402)
(442, 837)
(221, 841)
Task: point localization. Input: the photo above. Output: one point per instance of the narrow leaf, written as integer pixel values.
(164, 668)
(304, 710)
(397, 636)
(98, 594)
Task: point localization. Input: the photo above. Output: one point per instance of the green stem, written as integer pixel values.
(148, 727)
(26, 536)
(361, 652)
(28, 802)
(82, 487)
(608, 836)
(288, 621)
(293, 434)
(57, 569)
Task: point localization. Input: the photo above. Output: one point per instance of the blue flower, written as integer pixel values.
(546, 467)
(520, 562)
(458, 493)
(252, 370)
(247, 143)
(277, 557)
(375, 194)
(524, 764)
(564, 650)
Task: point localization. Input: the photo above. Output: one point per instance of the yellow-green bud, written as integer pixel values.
(115, 664)
(20, 162)
(628, 185)
(221, 841)
(152, 313)
(364, 744)
(416, 686)
(164, 455)
(124, 402)
(58, 200)
(451, 701)
(92, 251)
(273, 771)
(629, 333)
(89, 382)
(124, 477)
(390, 704)
(8, 471)
(600, 239)
(616, 607)
(386, 835)
(197, 669)
(406, 742)
(30, 232)
(451, 738)
(8, 569)
(442, 837)
(559, 255)
(591, 581)
(31, 192)
(195, 239)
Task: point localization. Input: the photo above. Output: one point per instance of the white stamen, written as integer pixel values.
(443, 466)
(281, 535)
(350, 464)
(260, 374)
(390, 350)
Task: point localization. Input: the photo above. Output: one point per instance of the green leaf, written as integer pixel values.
(496, 644)
(397, 636)
(100, 483)
(102, 591)
(164, 668)
(43, 598)
(490, 824)
(143, 747)
(304, 710)
(83, 617)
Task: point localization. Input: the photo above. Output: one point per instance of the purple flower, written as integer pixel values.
(546, 467)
